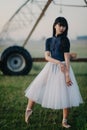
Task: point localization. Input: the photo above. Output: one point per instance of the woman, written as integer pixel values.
(55, 87)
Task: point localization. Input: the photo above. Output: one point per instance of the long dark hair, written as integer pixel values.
(61, 21)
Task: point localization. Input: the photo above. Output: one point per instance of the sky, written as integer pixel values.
(76, 16)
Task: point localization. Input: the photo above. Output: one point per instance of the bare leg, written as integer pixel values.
(29, 110)
(65, 116)
(30, 104)
(65, 113)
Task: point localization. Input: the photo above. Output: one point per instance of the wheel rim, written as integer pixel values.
(16, 62)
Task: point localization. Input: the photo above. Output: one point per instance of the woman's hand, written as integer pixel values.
(68, 80)
(62, 67)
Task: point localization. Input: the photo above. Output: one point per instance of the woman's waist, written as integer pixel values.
(58, 57)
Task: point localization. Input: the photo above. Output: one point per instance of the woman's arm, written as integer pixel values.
(67, 63)
(50, 59)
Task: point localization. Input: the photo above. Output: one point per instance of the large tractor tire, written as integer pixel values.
(16, 60)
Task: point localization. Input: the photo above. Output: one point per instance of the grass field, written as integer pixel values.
(13, 101)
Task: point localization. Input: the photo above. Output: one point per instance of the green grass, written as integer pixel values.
(13, 102)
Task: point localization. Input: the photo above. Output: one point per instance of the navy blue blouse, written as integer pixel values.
(53, 45)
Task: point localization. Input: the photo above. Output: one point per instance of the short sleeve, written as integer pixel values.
(66, 45)
(47, 45)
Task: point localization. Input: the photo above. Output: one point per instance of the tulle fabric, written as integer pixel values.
(50, 90)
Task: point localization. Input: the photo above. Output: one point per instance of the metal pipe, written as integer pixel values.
(39, 18)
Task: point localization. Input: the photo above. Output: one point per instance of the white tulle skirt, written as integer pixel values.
(50, 90)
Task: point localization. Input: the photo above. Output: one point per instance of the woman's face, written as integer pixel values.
(59, 29)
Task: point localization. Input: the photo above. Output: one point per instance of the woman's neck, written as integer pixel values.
(57, 35)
